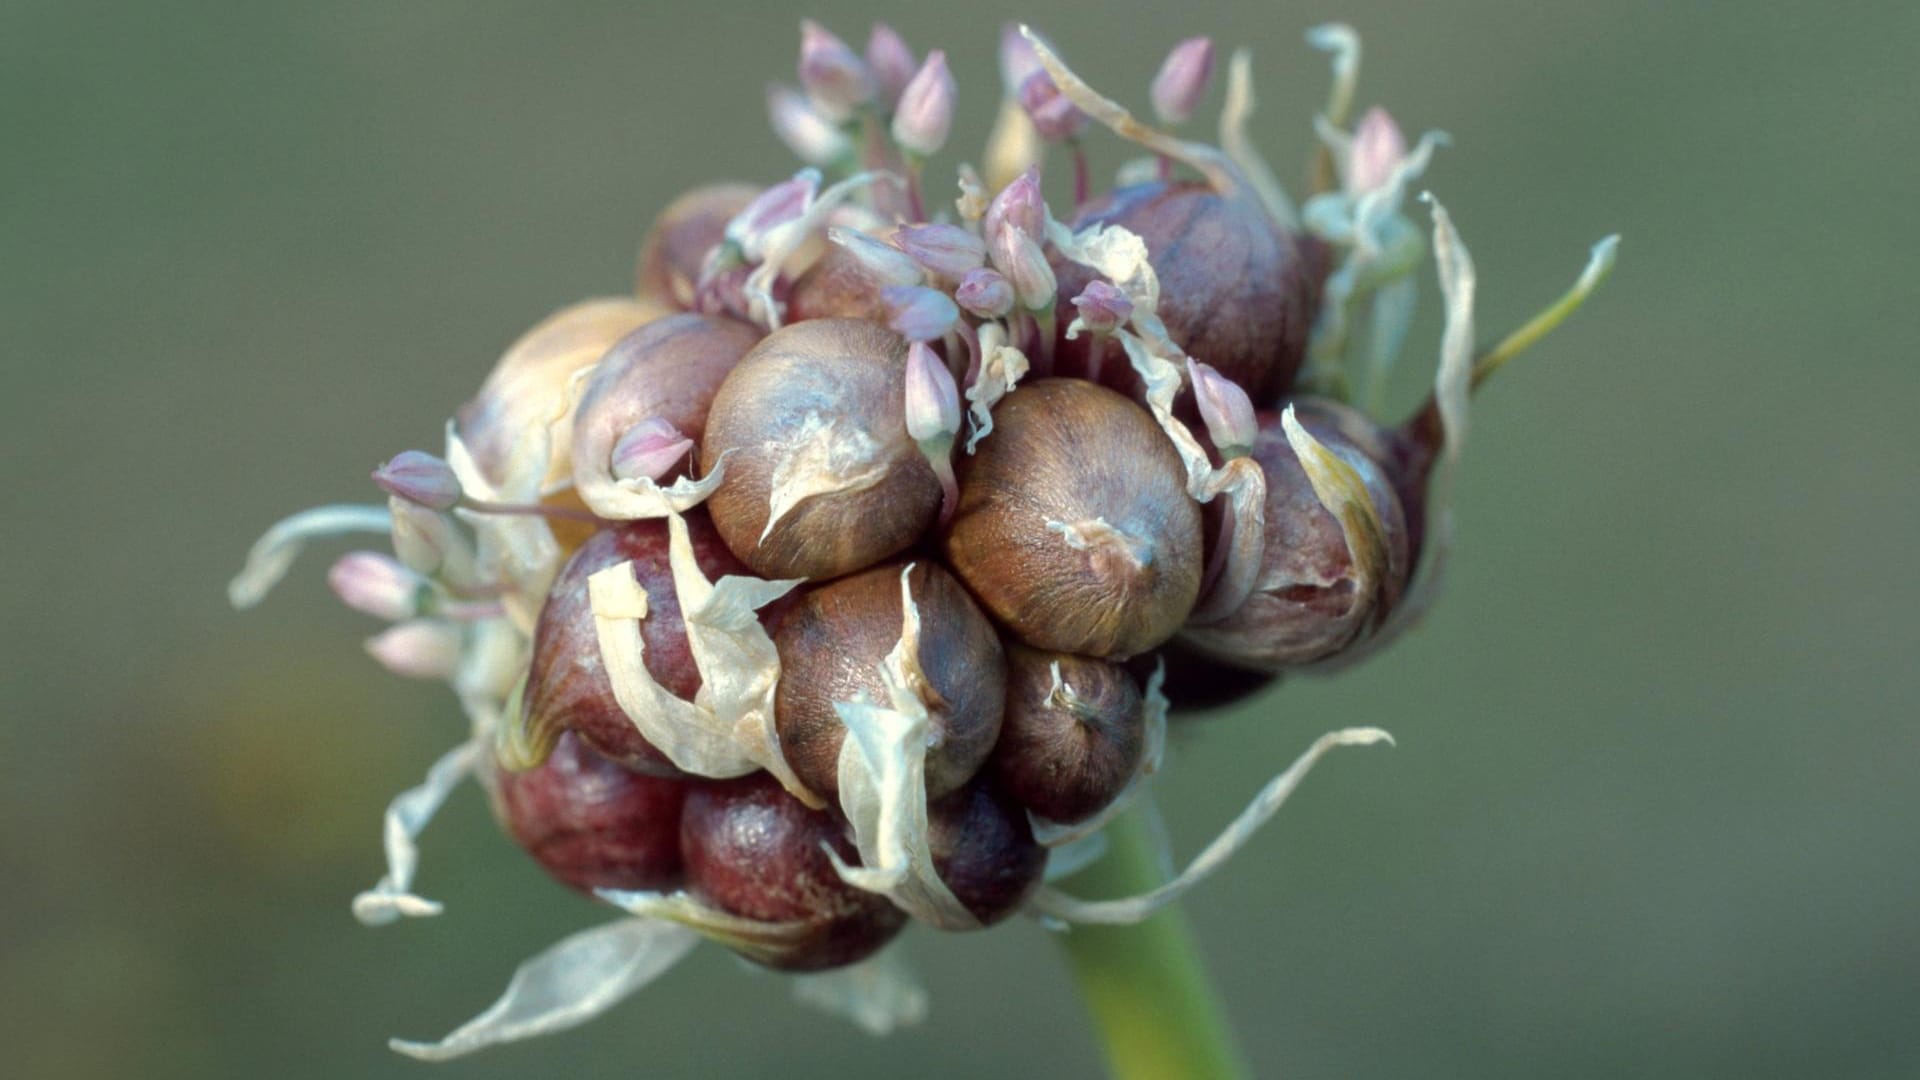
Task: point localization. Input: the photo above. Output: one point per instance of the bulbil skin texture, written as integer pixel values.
(668, 369)
(846, 373)
(1070, 452)
(832, 643)
(592, 824)
(1236, 290)
(567, 687)
(1306, 606)
(984, 850)
(836, 287)
(676, 246)
(753, 850)
(1065, 757)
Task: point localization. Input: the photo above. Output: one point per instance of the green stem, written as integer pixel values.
(1158, 1015)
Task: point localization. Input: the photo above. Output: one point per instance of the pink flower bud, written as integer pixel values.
(1103, 308)
(419, 477)
(1053, 116)
(1017, 58)
(377, 585)
(1226, 409)
(779, 204)
(891, 63)
(1378, 149)
(1016, 255)
(1019, 204)
(418, 648)
(925, 114)
(812, 137)
(943, 250)
(1183, 80)
(984, 293)
(832, 73)
(933, 400)
(649, 450)
(918, 313)
(884, 263)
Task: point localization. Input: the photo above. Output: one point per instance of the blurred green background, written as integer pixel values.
(1654, 806)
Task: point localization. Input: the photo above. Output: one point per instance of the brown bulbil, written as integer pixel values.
(1236, 290)
(832, 643)
(669, 370)
(984, 850)
(755, 851)
(567, 688)
(1066, 753)
(592, 824)
(677, 244)
(1095, 467)
(1307, 604)
(818, 399)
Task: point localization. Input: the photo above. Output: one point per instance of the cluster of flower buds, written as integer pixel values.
(845, 575)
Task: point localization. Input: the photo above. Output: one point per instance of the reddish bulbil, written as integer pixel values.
(1236, 290)
(591, 823)
(755, 851)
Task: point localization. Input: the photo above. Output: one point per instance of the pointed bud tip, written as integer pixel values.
(419, 477)
(1226, 409)
(942, 250)
(985, 293)
(891, 62)
(925, 114)
(933, 398)
(1183, 81)
(376, 584)
(918, 313)
(417, 649)
(649, 450)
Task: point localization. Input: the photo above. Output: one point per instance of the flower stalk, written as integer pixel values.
(1157, 1013)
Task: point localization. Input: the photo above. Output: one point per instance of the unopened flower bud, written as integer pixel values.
(925, 114)
(813, 138)
(779, 204)
(1226, 409)
(1017, 58)
(943, 250)
(1018, 204)
(884, 263)
(1379, 148)
(377, 585)
(1103, 308)
(423, 539)
(418, 648)
(419, 477)
(1054, 117)
(649, 449)
(1017, 256)
(933, 400)
(984, 293)
(918, 313)
(890, 62)
(1183, 80)
(833, 74)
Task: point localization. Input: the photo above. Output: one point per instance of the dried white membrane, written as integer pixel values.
(785, 241)
(826, 456)
(567, 985)
(273, 554)
(392, 898)
(770, 942)
(880, 994)
(1344, 494)
(883, 787)
(727, 730)
(1001, 368)
(1052, 903)
(516, 550)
